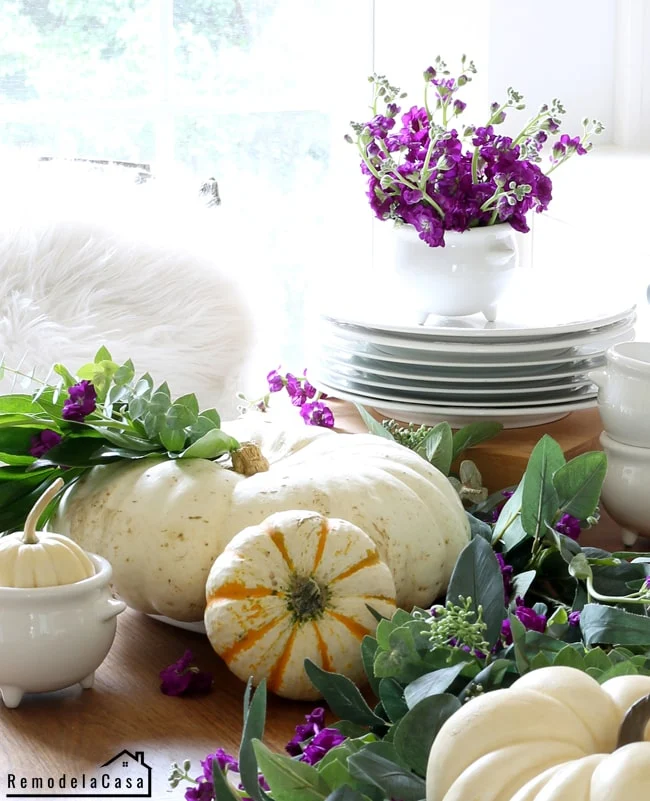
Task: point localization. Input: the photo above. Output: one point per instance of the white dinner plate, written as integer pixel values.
(400, 346)
(458, 416)
(338, 374)
(342, 361)
(477, 328)
(472, 400)
(465, 362)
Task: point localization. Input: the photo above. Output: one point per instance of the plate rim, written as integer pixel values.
(459, 411)
(576, 326)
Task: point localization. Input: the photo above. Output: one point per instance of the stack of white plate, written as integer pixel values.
(526, 369)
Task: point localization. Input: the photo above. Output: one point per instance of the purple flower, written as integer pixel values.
(324, 741)
(529, 617)
(411, 196)
(646, 583)
(275, 381)
(574, 618)
(459, 106)
(223, 759)
(507, 494)
(531, 620)
(203, 791)
(81, 402)
(295, 390)
(315, 722)
(415, 126)
(317, 414)
(182, 678)
(569, 525)
(43, 442)
(506, 575)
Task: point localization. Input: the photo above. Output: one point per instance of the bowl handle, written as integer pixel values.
(110, 608)
(599, 377)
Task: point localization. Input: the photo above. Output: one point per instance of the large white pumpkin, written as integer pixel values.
(550, 737)
(162, 523)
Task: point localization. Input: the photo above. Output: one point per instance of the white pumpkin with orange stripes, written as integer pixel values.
(297, 585)
(161, 523)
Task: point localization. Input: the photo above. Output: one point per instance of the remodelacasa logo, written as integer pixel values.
(125, 775)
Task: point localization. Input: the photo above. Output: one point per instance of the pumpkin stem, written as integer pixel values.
(634, 723)
(306, 598)
(248, 460)
(29, 532)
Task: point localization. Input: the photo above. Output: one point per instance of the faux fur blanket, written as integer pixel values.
(87, 260)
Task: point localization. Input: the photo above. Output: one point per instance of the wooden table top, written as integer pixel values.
(75, 731)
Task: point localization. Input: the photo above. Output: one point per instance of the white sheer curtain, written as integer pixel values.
(259, 93)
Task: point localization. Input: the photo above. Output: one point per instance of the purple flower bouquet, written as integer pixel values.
(438, 175)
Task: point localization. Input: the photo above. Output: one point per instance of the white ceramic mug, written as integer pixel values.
(624, 393)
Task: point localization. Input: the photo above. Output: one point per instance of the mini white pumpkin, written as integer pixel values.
(162, 523)
(31, 558)
(551, 737)
(297, 585)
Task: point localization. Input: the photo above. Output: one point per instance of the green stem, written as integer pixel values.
(425, 166)
(426, 102)
(475, 166)
(425, 195)
(636, 598)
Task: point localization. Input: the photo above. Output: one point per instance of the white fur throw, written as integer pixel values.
(88, 260)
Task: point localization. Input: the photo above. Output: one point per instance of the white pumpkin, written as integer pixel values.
(297, 585)
(550, 737)
(162, 524)
(31, 558)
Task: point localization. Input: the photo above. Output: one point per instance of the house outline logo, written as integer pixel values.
(126, 760)
(125, 775)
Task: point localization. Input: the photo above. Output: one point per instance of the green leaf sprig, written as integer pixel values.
(131, 418)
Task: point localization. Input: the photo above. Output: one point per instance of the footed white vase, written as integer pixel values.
(467, 276)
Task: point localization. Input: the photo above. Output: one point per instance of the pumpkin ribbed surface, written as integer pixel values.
(298, 585)
(162, 523)
(550, 737)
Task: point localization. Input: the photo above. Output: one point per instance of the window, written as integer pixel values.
(258, 93)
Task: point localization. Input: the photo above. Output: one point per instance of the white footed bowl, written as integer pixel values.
(468, 275)
(55, 637)
(626, 491)
(624, 393)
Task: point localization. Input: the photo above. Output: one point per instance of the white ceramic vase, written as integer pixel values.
(468, 275)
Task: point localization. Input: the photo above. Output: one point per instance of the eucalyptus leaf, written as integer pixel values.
(477, 575)
(578, 484)
(539, 502)
(174, 441)
(253, 730)
(373, 426)
(342, 696)
(609, 625)
(223, 791)
(210, 446)
(345, 793)
(289, 779)
(569, 657)
(391, 694)
(434, 683)
(418, 729)
(478, 528)
(580, 568)
(473, 434)
(522, 582)
(369, 647)
(437, 447)
(509, 514)
(391, 778)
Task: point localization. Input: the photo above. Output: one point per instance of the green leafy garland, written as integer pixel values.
(523, 595)
(124, 418)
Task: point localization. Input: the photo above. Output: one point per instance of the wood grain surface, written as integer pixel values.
(77, 730)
